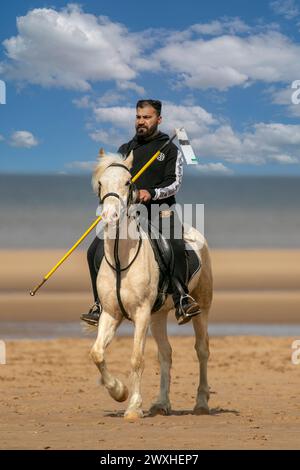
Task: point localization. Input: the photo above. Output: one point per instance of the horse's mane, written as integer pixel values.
(102, 163)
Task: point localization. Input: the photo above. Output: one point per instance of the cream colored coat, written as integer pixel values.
(138, 292)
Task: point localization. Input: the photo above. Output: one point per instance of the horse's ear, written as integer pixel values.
(129, 160)
(102, 163)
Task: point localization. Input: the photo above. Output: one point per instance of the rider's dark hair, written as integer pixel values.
(156, 104)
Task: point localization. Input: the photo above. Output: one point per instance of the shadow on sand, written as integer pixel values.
(213, 412)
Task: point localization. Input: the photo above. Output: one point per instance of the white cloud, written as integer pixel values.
(23, 139)
(230, 60)
(100, 136)
(125, 85)
(121, 122)
(264, 143)
(221, 143)
(223, 26)
(285, 159)
(70, 48)
(195, 118)
(283, 97)
(286, 8)
(118, 116)
(217, 27)
(214, 168)
(83, 102)
(110, 97)
(278, 134)
(111, 137)
(82, 166)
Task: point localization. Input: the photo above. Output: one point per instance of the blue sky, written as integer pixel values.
(224, 70)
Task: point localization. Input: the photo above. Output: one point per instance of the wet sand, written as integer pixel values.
(250, 286)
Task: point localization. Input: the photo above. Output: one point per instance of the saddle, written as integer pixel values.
(164, 256)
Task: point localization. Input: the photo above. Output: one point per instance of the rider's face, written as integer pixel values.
(146, 121)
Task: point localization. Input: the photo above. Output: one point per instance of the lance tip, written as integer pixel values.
(33, 291)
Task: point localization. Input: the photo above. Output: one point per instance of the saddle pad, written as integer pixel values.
(194, 263)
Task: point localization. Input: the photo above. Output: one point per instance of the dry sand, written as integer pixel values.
(50, 398)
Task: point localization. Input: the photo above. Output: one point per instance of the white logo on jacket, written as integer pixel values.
(161, 157)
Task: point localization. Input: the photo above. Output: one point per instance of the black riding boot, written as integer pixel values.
(186, 306)
(94, 256)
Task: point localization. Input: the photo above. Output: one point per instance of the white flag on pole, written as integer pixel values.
(186, 147)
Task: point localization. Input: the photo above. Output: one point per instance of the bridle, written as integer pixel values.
(117, 267)
(132, 188)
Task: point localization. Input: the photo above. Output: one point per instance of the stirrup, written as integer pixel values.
(181, 315)
(92, 317)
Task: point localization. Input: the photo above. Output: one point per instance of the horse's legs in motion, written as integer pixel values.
(202, 349)
(106, 330)
(142, 320)
(159, 332)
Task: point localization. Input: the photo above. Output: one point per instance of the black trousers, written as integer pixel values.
(174, 233)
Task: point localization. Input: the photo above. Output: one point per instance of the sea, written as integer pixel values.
(52, 211)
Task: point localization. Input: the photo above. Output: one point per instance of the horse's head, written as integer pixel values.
(112, 182)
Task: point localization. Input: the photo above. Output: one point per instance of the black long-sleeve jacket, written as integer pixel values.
(164, 176)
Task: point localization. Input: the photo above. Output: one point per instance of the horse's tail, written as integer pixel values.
(88, 329)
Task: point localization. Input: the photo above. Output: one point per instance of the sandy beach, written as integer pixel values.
(51, 399)
(50, 392)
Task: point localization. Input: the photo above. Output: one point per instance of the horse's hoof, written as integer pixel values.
(132, 416)
(123, 396)
(201, 410)
(120, 392)
(159, 409)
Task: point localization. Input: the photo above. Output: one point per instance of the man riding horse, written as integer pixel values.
(158, 185)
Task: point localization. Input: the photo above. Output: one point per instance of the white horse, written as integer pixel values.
(138, 292)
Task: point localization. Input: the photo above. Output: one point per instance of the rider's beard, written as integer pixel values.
(144, 132)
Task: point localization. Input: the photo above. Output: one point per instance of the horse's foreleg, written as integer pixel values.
(106, 330)
(142, 320)
(202, 349)
(159, 332)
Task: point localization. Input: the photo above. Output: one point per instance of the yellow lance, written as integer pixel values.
(95, 223)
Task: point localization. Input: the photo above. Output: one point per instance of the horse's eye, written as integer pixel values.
(128, 183)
